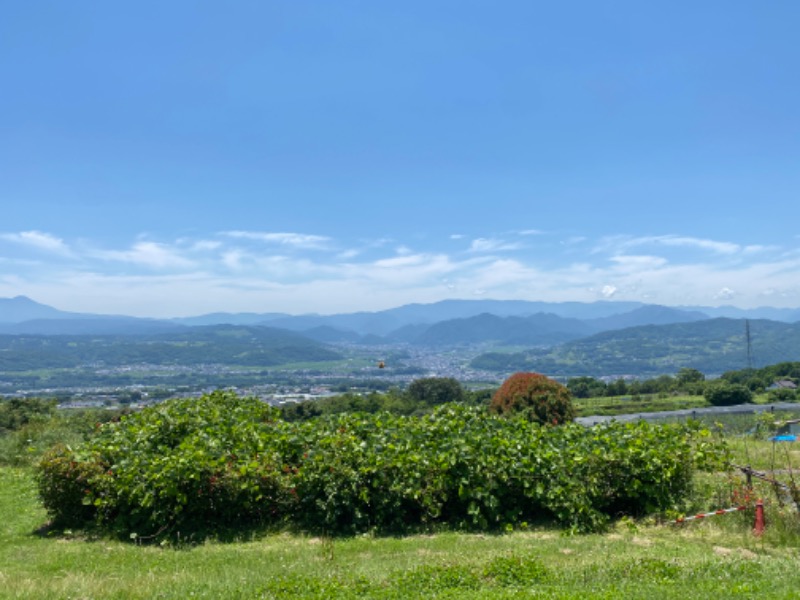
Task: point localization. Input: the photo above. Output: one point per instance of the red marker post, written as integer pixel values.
(758, 528)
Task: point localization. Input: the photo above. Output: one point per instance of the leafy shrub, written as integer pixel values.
(392, 401)
(65, 486)
(18, 412)
(433, 391)
(727, 394)
(184, 466)
(782, 395)
(539, 398)
(25, 445)
(221, 464)
(421, 396)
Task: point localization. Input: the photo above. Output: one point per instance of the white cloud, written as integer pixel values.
(757, 249)
(348, 254)
(403, 271)
(638, 262)
(714, 246)
(149, 254)
(725, 293)
(404, 260)
(608, 291)
(39, 240)
(622, 243)
(233, 260)
(205, 246)
(491, 245)
(500, 275)
(191, 276)
(296, 240)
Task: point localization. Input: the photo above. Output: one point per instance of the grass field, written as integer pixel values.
(718, 557)
(619, 405)
(715, 558)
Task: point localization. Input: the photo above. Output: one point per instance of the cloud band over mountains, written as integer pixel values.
(294, 272)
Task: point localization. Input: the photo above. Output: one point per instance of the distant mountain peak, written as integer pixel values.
(22, 308)
(22, 300)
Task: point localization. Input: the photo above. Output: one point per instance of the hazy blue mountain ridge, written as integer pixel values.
(651, 314)
(22, 308)
(786, 315)
(610, 339)
(542, 329)
(224, 318)
(89, 326)
(449, 322)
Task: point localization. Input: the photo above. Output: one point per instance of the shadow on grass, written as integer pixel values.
(170, 536)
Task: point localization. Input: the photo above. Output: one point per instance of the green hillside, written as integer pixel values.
(712, 346)
(219, 344)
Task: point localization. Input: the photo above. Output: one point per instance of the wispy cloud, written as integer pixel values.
(714, 246)
(725, 293)
(296, 240)
(248, 271)
(492, 245)
(39, 241)
(635, 263)
(623, 243)
(404, 260)
(233, 259)
(149, 254)
(608, 291)
(405, 270)
(204, 245)
(348, 254)
(757, 249)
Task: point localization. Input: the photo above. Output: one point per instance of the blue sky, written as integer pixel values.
(175, 158)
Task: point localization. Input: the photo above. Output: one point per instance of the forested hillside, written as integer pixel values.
(220, 344)
(712, 346)
(538, 330)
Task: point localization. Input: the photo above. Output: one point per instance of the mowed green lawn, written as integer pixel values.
(715, 558)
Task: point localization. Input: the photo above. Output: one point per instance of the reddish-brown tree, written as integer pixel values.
(539, 398)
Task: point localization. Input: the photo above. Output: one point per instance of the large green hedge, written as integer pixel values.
(190, 468)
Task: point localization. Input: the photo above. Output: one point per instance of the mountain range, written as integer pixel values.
(570, 338)
(445, 322)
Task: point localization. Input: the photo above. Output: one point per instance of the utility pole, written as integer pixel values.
(749, 344)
